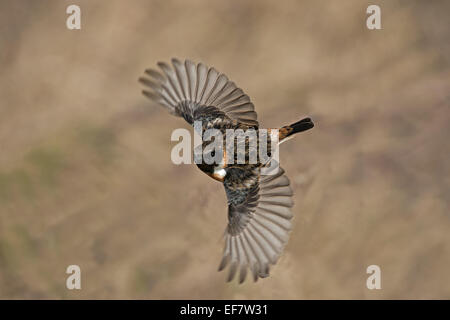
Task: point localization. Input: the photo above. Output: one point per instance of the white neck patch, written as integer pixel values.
(220, 172)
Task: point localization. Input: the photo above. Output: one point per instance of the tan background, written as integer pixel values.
(85, 170)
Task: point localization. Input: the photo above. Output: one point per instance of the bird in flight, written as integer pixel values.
(259, 206)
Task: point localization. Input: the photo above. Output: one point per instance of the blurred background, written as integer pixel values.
(85, 170)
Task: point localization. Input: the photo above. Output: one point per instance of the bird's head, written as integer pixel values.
(217, 172)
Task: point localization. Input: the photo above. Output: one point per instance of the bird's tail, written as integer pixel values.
(286, 132)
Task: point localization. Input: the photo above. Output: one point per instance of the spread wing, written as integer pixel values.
(259, 221)
(197, 92)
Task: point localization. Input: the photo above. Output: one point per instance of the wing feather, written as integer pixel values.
(186, 87)
(258, 226)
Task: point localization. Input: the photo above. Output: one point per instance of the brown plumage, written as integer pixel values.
(259, 215)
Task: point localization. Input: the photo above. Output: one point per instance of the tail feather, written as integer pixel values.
(299, 126)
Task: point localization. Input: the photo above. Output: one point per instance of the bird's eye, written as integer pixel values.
(213, 154)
